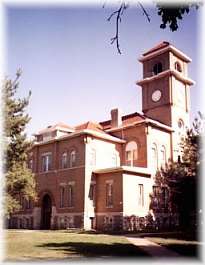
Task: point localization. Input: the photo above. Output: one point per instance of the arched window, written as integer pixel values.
(163, 156)
(157, 68)
(180, 128)
(178, 67)
(154, 157)
(73, 158)
(181, 124)
(70, 195)
(131, 153)
(64, 160)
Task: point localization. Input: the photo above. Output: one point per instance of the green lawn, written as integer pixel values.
(188, 248)
(53, 245)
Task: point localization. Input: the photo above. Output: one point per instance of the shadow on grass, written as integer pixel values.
(187, 250)
(97, 249)
(191, 235)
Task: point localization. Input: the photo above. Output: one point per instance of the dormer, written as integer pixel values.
(53, 132)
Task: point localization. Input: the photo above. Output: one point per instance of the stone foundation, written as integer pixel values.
(21, 222)
(58, 221)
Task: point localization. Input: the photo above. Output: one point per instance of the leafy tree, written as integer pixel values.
(181, 179)
(19, 180)
(170, 15)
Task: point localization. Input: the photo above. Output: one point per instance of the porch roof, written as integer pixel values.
(125, 169)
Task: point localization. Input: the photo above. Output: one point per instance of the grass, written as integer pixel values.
(54, 245)
(186, 248)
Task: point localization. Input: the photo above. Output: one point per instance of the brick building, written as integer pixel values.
(99, 175)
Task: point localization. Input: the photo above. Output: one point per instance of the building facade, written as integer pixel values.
(100, 175)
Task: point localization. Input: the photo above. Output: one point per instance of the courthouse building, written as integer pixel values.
(99, 175)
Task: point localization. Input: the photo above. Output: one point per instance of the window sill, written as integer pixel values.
(46, 172)
(67, 207)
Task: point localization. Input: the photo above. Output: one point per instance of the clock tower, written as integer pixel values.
(166, 89)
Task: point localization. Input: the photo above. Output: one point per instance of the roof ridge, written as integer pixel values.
(125, 116)
(159, 46)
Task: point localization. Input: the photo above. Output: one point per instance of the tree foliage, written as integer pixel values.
(19, 180)
(170, 15)
(182, 179)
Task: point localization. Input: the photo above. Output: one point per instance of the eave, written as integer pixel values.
(171, 48)
(166, 73)
(125, 169)
(83, 132)
(138, 123)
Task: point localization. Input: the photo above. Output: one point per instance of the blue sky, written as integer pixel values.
(73, 71)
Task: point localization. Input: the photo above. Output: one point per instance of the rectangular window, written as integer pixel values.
(92, 193)
(141, 195)
(62, 197)
(30, 164)
(46, 162)
(70, 196)
(109, 195)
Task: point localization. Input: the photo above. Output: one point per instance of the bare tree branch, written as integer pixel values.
(118, 13)
(114, 14)
(144, 12)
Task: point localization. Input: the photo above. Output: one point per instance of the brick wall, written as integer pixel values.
(137, 134)
(102, 211)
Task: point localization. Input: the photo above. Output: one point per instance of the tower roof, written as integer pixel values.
(162, 47)
(159, 46)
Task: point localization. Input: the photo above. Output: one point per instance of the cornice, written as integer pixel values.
(165, 73)
(171, 48)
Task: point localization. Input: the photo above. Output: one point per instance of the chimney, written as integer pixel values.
(116, 118)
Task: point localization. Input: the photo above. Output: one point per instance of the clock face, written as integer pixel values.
(156, 95)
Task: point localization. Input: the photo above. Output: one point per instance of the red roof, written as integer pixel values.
(159, 46)
(90, 126)
(126, 120)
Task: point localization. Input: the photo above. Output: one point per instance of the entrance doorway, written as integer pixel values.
(46, 212)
